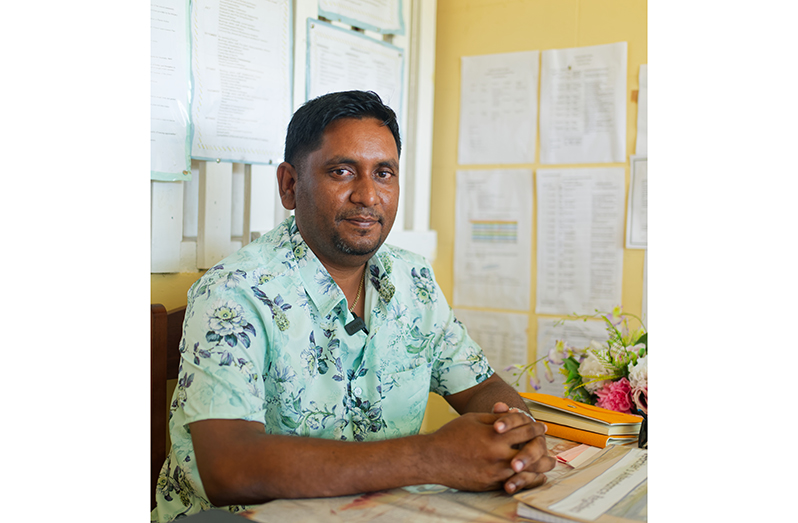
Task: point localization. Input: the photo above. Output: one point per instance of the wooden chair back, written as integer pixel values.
(166, 329)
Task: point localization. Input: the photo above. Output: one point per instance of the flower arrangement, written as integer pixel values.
(612, 376)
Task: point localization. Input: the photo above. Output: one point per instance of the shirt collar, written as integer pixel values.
(320, 287)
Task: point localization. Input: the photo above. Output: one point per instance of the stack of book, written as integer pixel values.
(581, 422)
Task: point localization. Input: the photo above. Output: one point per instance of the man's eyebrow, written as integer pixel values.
(337, 160)
(389, 163)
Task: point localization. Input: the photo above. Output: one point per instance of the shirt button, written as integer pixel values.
(358, 391)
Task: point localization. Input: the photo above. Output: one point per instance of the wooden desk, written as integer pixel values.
(423, 504)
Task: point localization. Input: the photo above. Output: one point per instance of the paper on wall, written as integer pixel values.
(637, 212)
(241, 62)
(644, 309)
(641, 144)
(493, 239)
(580, 240)
(502, 336)
(498, 108)
(343, 60)
(169, 91)
(583, 105)
(383, 16)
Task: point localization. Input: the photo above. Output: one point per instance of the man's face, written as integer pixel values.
(347, 192)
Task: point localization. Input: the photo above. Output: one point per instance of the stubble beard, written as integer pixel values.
(347, 248)
(351, 250)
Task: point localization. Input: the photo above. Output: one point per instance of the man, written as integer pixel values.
(318, 329)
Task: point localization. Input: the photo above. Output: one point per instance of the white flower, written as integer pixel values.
(226, 318)
(591, 368)
(638, 373)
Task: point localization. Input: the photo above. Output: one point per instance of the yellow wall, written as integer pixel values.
(170, 289)
(477, 27)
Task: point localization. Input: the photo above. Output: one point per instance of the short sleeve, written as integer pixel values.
(223, 351)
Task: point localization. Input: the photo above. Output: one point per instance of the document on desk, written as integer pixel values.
(498, 108)
(583, 105)
(342, 60)
(241, 62)
(611, 488)
(382, 16)
(493, 239)
(637, 212)
(580, 240)
(577, 333)
(502, 336)
(641, 143)
(170, 86)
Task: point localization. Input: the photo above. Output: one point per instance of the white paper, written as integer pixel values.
(341, 60)
(498, 108)
(241, 63)
(584, 457)
(577, 334)
(502, 336)
(383, 16)
(606, 490)
(169, 91)
(493, 239)
(641, 144)
(583, 105)
(637, 213)
(580, 240)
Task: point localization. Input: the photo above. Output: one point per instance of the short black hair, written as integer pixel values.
(306, 129)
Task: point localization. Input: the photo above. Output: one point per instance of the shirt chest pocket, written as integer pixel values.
(405, 395)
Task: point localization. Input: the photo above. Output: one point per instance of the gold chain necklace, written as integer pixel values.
(359, 290)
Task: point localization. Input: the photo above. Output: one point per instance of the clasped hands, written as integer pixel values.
(504, 449)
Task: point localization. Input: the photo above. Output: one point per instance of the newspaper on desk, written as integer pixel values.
(611, 488)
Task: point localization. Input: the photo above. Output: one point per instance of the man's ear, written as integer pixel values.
(286, 183)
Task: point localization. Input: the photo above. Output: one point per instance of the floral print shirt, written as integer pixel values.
(264, 340)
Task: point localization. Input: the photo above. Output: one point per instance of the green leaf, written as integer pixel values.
(288, 422)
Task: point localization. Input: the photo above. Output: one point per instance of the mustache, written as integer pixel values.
(361, 213)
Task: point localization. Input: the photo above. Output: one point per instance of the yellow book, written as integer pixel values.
(570, 413)
(586, 437)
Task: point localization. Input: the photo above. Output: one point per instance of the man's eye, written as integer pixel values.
(340, 172)
(384, 174)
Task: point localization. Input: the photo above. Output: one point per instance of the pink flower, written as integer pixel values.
(640, 397)
(616, 395)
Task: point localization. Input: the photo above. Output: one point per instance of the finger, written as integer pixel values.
(523, 480)
(500, 407)
(533, 457)
(483, 417)
(513, 420)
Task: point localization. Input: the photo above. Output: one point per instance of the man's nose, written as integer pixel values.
(365, 191)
